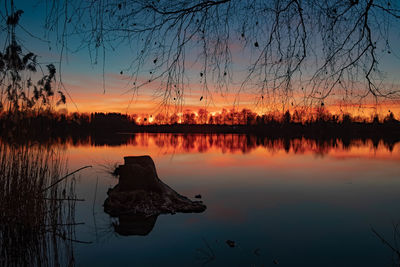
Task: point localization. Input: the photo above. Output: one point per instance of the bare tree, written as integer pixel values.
(296, 52)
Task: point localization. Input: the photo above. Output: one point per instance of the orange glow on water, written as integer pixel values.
(192, 144)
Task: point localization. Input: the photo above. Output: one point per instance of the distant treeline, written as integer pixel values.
(294, 125)
(248, 117)
(57, 125)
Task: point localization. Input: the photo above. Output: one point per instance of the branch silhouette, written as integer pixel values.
(318, 49)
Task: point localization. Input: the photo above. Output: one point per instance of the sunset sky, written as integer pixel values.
(83, 80)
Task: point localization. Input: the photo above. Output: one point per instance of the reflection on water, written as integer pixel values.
(135, 224)
(233, 143)
(299, 202)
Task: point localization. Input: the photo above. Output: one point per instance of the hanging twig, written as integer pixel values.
(385, 242)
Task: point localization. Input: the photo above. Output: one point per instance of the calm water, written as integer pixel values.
(298, 202)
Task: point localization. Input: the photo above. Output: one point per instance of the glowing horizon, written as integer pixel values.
(119, 98)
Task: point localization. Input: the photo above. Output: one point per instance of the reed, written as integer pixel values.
(36, 224)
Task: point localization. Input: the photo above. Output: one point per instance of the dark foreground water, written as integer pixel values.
(295, 203)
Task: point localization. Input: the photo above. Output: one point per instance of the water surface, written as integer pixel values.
(297, 202)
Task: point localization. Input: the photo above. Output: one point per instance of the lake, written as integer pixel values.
(289, 202)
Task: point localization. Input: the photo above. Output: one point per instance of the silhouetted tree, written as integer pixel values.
(189, 117)
(18, 91)
(390, 118)
(286, 117)
(160, 118)
(174, 119)
(203, 114)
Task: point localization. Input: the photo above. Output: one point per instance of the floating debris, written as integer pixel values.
(231, 243)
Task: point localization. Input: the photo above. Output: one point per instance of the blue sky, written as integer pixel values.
(84, 80)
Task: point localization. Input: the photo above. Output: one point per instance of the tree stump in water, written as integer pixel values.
(141, 192)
